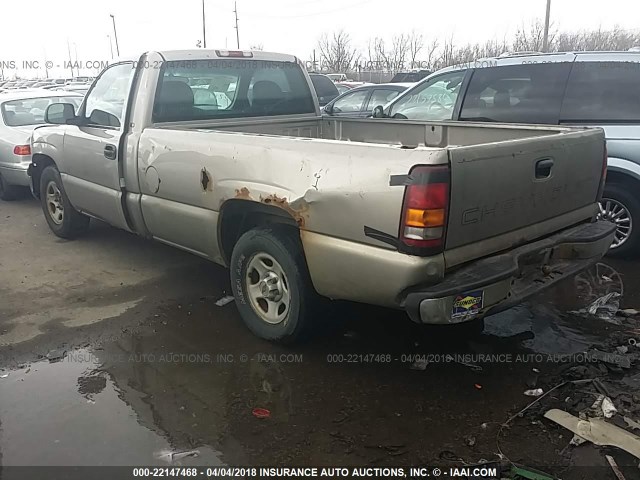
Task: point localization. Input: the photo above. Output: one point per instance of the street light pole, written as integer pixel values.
(115, 34)
(204, 28)
(545, 41)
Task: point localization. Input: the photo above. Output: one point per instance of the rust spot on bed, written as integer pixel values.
(297, 209)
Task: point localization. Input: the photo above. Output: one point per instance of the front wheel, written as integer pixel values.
(271, 284)
(621, 207)
(64, 220)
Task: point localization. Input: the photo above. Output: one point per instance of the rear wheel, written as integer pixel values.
(8, 192)
(271, 284)
(621, 207)
(64, 220)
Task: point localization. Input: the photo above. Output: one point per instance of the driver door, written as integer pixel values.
(91, 167)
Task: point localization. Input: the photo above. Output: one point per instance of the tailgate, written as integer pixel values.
(499, 189)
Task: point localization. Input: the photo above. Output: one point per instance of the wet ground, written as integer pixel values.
(112, 352)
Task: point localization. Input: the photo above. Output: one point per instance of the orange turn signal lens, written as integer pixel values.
(424, 218)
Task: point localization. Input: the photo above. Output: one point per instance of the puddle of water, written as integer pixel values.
(69, 413)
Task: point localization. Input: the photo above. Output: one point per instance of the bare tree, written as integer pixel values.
(416, 44)
(257, 46)
(336, 52)
(532, 39)
(395, 56)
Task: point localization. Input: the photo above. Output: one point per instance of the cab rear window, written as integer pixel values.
(217, 89)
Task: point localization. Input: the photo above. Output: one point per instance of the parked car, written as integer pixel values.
(360, 101)
(20, 112)
(599, 89)
(411, 76)
(301, 206)
(325, 89)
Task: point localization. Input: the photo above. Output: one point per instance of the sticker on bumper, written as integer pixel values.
(467, 303)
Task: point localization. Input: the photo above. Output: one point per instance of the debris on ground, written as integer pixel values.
(171, 457)
(632, 423)
(261, 413)
(601, 407)
(597, 431)
(628, 312)
(56, 355)
(221, 302)
(529, 474)
(614, 467)
(619, 360)
(605, 308)
(534, 393)
(420, 364)
(4, 376)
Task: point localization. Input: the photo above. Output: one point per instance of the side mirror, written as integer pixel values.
(59, 113)
(328, 109)
(378, 112)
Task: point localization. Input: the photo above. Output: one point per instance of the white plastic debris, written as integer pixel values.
(629, 312)
(224, 300)
(419, 365)
(604, 407)
(605, 307)
(534, 393)
(4, 376)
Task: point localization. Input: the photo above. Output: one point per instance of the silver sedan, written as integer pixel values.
(20, 112)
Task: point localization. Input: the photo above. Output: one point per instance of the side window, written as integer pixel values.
(107, 100)
(603, 91)
(432, 100)
(381, 97)
(529, 93)
(351, 102)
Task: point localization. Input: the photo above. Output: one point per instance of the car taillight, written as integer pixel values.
(424, 210)
(603, 177)
(22, 150)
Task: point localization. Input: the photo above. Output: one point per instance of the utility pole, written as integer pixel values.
(110, 46)
(70, 61)
(204, 29)
(545, 41)
(235, 11)
(115, 34)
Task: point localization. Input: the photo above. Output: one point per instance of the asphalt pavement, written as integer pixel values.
(113, 352)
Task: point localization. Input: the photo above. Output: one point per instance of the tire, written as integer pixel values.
(64, 220)
(618, 196)
(9, 192)
(271, 259)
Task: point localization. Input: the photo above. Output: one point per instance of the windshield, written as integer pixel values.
(30, 111)
(431, 100)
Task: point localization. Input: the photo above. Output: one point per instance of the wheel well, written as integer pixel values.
(240, 216)
(38, 163)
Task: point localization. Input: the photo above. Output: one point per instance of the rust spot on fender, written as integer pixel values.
(297, 209)
(243, 193)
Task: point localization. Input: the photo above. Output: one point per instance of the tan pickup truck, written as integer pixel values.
(225, 154)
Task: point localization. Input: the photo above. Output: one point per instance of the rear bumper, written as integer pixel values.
(499, 282)
(16, 173)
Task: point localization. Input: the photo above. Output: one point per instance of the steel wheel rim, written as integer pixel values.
(54, 203)
(614, 211)
(268, 288)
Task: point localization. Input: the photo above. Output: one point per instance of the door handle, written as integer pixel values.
(110, 152)
(543, 168)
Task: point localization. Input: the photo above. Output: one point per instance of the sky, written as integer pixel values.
(40, 30)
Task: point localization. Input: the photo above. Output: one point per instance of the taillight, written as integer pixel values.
(603, 176)
(22, 150)
(234, 53)
(424, 210)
